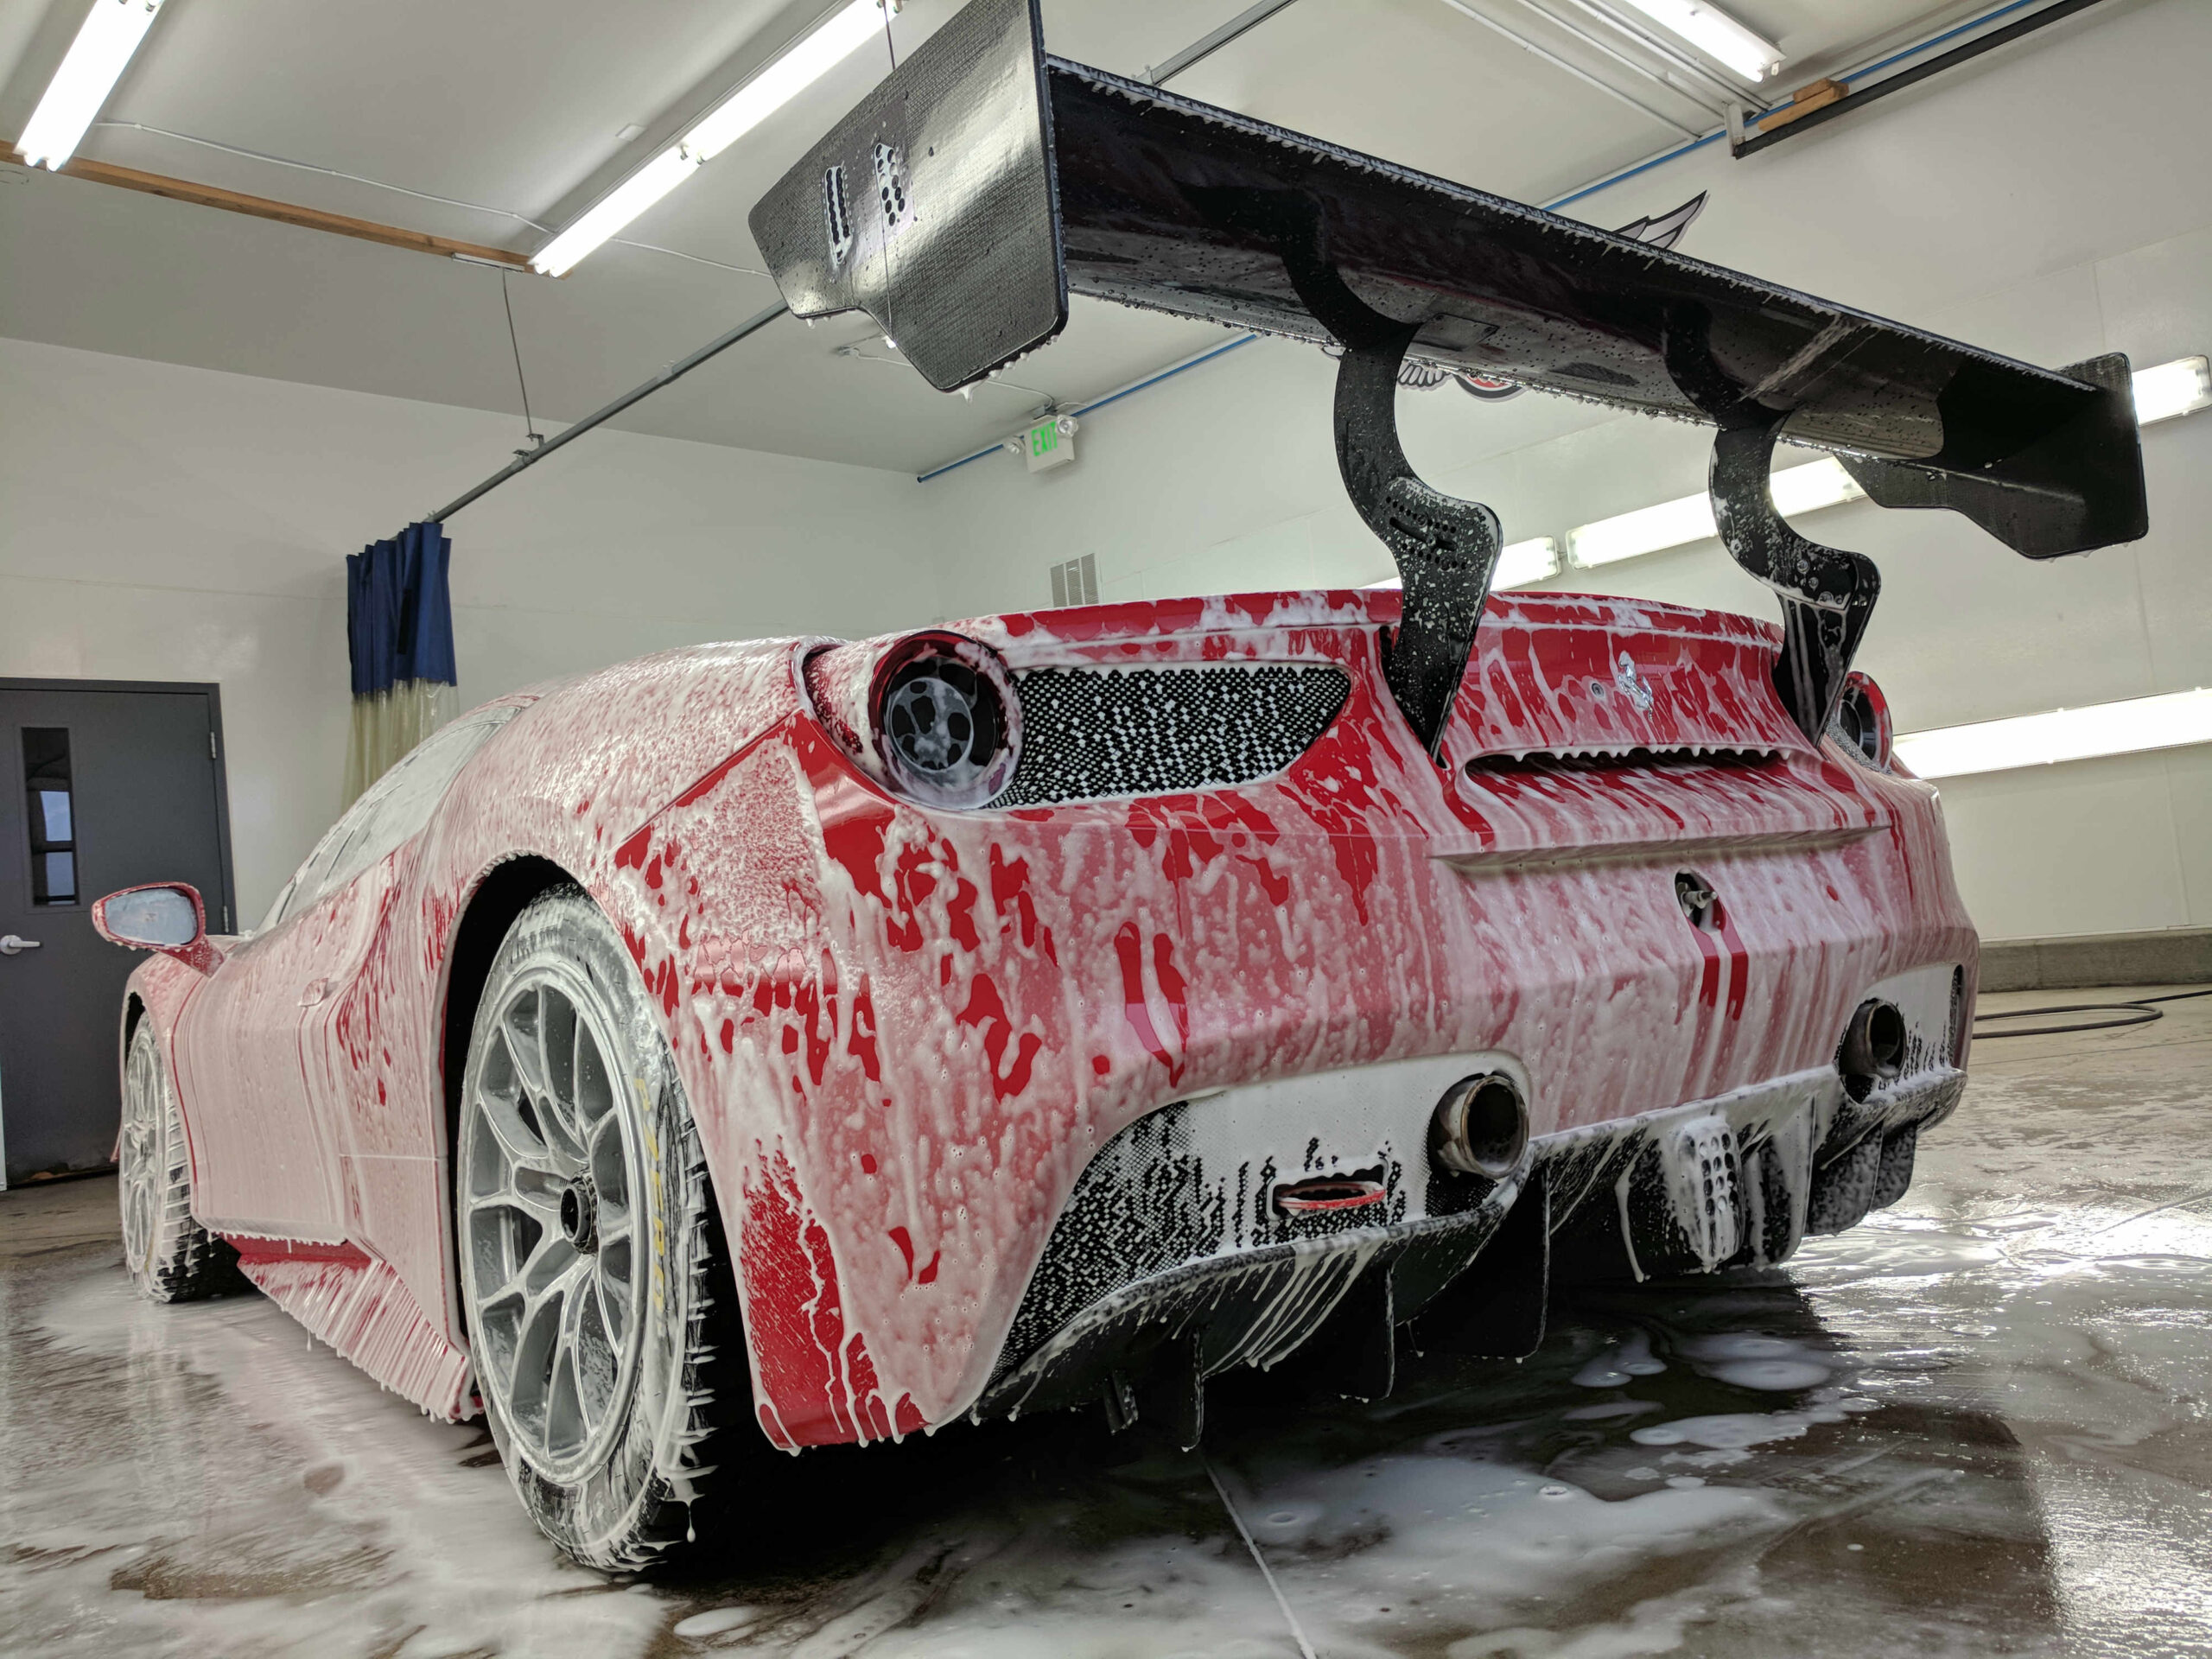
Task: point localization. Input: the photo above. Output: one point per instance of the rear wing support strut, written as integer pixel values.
(1445, 548)
(1827, 593)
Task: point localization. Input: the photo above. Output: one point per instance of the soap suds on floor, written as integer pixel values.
(1973, 1426)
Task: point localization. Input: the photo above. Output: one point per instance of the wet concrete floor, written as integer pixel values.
(1979, 1424)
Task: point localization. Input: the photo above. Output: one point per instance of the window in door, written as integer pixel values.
(51, 817)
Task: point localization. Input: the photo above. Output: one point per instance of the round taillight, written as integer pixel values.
(948, 725)
(1862, 721)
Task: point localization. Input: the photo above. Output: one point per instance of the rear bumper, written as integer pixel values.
(903, 1083)
(1738, 1180)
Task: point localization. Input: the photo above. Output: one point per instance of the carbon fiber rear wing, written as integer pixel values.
(985, 180)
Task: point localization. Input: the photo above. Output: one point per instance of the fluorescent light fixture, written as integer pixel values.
(1519, 564)
(1714, 32)
(774, 84)
(1630, 535)
(109, 34)
(798, 67)
(2181, 387)
(1808, 489)
(2128, 727)
(1676, 523)
(614, 210)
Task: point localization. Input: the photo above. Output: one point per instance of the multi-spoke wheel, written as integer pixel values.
(169, 1256)
(590, 1261)
(550, 1223)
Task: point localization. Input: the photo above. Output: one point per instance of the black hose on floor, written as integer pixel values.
(2136, 1013)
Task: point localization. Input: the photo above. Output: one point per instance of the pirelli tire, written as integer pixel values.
(169, 1256)
(602, 1317)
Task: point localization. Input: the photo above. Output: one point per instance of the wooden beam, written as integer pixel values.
(1803, 102)
(284, 212)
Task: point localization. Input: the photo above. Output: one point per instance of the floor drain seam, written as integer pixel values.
(1252, 1544)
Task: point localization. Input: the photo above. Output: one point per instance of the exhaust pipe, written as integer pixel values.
(1481, 1126)
(1873, 1047)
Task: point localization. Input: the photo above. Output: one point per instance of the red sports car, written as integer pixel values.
(1004, 1006)
(824, 1041)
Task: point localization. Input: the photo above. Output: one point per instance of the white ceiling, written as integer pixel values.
(517, 108)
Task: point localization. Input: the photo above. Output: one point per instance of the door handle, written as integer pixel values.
(12, 946)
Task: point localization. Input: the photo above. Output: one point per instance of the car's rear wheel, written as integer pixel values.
(169, 1256)
(601, 1318)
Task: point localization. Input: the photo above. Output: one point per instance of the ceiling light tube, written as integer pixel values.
(1519, 564)
(614, 210)
(2129, 727)
(798, 67)
(98, 57)
(1717, 34)
(1676, 523)
(772, 86)
(1648, 530)
(2181, 387)
(1808, 489)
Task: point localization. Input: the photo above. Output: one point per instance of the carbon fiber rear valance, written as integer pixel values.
(985, 180)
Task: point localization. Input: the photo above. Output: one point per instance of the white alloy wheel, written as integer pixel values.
(590, 1259)
(169, 1256)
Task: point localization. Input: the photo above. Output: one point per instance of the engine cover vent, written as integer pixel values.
(1088, 733)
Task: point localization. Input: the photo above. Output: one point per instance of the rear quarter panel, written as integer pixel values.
(566, 780)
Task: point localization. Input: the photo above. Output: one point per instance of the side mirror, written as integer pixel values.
(167, 916)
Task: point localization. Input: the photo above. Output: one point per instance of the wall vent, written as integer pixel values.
(1076, 582)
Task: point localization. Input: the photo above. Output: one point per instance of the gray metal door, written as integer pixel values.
(107, 784)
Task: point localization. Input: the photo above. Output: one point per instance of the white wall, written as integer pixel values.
(161, 522)
(2051, 201)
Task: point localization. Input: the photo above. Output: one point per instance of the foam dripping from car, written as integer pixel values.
(364, 1311)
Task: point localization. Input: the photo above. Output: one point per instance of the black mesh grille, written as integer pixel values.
(1091, 731)
(1149, 1202)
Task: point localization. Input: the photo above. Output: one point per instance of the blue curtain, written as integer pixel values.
(399, 634)
(399, 610)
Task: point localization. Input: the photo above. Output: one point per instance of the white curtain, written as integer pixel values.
(386, 724)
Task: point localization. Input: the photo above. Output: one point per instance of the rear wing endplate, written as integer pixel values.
(985, 180)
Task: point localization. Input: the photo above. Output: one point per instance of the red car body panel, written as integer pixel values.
(904, 1033)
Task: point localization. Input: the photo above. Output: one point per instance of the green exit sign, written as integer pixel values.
(1049, 443)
